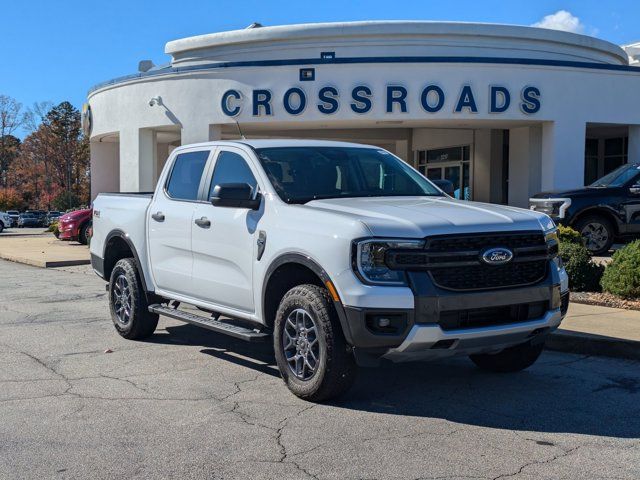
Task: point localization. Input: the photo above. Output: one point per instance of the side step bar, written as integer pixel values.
(242, 333)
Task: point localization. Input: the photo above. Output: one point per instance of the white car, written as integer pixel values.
(5, 221)
(340, 254)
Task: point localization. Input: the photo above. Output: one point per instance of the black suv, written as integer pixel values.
(606, 210)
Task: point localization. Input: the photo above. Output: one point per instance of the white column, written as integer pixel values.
(563, 154)
(524, 164)
(197, 133)
(105, 170)
(137, 160)
(634, 144)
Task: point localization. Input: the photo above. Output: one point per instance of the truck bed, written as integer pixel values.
(126, 212)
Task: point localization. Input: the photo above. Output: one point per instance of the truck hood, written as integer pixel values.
(421, 216)
(579, 192)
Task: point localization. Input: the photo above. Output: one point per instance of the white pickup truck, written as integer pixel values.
(339, 253)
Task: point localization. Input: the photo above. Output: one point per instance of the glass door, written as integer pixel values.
(451, 164)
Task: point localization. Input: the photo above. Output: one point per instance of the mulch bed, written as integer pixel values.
(604, 300)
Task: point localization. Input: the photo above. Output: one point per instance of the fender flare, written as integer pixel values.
(604, 210)
(312, 265)
(117, 233)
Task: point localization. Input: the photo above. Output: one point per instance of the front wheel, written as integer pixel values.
(1, 227)
(83, 235)
(310, 348)
(597, 233)
(512, 359)
(128, 302)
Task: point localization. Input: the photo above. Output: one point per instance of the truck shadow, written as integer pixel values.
(561, 393)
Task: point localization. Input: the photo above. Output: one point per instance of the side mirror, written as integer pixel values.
(446, 186)
(634, 190)
(235, 195)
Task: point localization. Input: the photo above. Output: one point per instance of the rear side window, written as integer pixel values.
(184, 181)
(231, 168)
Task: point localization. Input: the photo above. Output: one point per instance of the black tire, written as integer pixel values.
(509, 360)
(335, 369)
(602, 226)
(1, 227)
(83, 235)
(140, 322)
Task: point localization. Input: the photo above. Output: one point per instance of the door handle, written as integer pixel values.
(158, 217)
(203, 222)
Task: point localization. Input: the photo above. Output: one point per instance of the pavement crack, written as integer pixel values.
(564, 453)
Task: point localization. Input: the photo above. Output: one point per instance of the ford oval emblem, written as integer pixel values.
(497, 256)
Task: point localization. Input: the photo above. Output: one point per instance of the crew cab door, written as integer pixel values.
(169, 221)
(632, 205)
(224, 238)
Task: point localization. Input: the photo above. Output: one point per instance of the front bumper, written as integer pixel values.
(420, 335)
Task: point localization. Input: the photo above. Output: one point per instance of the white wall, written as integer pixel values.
(105, 168)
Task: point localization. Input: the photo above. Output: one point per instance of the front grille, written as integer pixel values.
(491, 316)
(454, 262)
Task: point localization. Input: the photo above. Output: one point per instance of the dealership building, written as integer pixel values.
(502, 111)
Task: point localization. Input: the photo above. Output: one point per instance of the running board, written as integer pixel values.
(242, 333)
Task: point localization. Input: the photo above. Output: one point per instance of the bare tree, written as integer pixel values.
(11, 118)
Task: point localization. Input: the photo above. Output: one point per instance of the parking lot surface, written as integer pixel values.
(189, 403)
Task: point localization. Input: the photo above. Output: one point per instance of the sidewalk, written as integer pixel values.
(41, 249)
(594, 330)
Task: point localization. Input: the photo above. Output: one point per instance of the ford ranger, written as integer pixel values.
(340, 254)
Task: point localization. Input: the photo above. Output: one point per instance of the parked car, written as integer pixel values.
(52, 217)
(340, 254)
(14, 214)
(29, 219)
(75, 225)
(41, 215)
(5, 221)
(606, 210)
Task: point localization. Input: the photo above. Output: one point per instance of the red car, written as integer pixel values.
(76, 225)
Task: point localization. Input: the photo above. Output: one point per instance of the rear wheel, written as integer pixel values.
(597, 233)
(512, 359)
(310, 348)
(128, 302)
(1, 227)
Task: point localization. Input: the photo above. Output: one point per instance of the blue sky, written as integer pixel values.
(56, 50)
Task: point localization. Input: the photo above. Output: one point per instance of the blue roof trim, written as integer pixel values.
(360, 60)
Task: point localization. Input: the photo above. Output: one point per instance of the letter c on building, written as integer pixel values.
(228, 108)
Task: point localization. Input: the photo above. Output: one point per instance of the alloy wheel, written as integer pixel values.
(300, 344)
(595, 236)
(122, 299)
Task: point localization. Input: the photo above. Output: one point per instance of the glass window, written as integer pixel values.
(231, 168)
(619, 177)
(302, 174)
(186, 173)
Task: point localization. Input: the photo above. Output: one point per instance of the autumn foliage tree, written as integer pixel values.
(51, 169)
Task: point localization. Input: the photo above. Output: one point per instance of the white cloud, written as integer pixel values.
(561, 20)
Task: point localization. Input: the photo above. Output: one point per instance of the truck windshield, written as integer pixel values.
(618, 177)
(302, 174)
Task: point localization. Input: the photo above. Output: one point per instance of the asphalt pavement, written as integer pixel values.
(189, 403)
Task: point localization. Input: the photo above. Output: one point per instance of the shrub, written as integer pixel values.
(622, 275)
(569, 235)
(584, 275)
(54, 228)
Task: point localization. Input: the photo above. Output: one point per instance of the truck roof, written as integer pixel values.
(279, 142)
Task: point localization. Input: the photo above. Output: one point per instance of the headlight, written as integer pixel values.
(369, 260)
(554, 207)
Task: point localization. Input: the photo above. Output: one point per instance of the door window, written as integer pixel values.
(231, 168)
(184, 181)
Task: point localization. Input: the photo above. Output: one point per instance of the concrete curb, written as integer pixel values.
(590, 344)
(43, 263)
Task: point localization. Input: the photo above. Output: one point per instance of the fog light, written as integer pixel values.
(388, 323)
